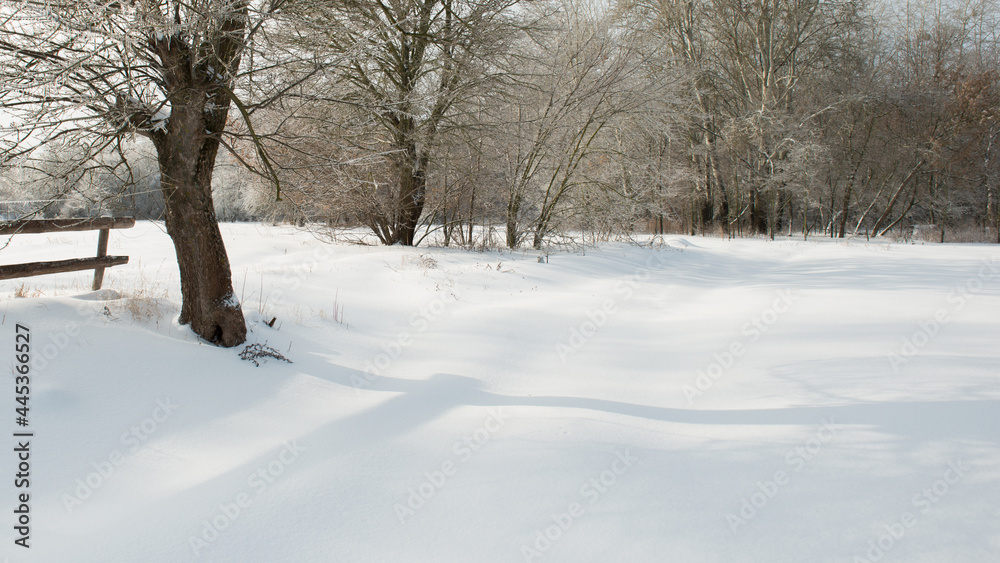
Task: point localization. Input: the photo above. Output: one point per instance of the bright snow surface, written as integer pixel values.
(695, 401)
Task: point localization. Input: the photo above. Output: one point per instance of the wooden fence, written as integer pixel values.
(98, 263)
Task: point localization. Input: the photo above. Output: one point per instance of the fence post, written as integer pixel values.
(102, 250)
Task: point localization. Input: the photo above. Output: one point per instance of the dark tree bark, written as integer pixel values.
(200, 100)
(758, 212)
(513, 212)
(845, 208)
(412, 195)
(208, 303)
(722, 210)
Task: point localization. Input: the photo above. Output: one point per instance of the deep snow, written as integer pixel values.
(695, 400)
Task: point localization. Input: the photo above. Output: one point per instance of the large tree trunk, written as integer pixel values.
(412, 195)
(186, 152)
(845, 207)
(513, 211)
(200, 99)
(758, 213)
(722, 210)
(198, 81)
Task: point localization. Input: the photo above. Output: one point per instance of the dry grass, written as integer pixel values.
(337, 313)
(144, 307)
(420, 262)
(24, 290)
(145, 301)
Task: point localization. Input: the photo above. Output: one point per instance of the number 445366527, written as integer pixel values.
(22, 349)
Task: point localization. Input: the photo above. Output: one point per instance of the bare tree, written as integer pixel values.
(402, 70)
(96, 73)
(683, 30)
(577, 78)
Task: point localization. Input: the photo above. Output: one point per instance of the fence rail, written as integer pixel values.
(39, 226)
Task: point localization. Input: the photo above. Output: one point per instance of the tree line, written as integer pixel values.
(836, 118)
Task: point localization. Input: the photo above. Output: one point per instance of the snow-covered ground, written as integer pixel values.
(695, 401)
